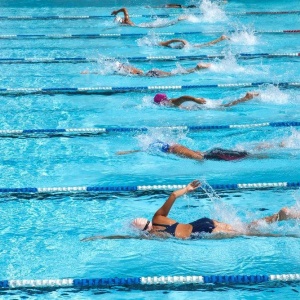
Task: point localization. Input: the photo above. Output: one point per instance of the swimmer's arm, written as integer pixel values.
(88, 72)
(123, 10)
(169, 42)
(198, 67)
(221, 38)
(165, 209)
(127, 152)
(109, 237)
(178, 101)
(247, 97)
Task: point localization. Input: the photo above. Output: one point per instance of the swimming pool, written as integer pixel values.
(41, 232)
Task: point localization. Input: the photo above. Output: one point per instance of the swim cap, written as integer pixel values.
(118, 19)
(142, 224)
(159, 98)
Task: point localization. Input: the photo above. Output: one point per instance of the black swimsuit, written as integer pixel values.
(224, 154)
(199, 226)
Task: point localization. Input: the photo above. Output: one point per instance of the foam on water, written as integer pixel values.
(212, 12)
(272, 94)
(244, 37)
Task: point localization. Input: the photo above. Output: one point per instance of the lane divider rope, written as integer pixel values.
(65, 17)
(110, 89)
(112, 129)
(154, 280)
(108, 35)
(10, 60)
(163, 187)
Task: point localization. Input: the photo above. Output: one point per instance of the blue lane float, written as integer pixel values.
(151, 88)
(144, 188)
(65, 17)
(114, 35)
(34, 60)
(153, 280)
(118, 129)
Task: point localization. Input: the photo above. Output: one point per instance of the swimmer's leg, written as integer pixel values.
(285, 213)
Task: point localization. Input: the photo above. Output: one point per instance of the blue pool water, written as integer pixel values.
(41, 233)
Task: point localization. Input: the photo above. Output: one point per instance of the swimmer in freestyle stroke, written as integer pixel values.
(127, 21)
(163, 100)
(180, 43)
(182, 151)
(164, 227)
(125, 69)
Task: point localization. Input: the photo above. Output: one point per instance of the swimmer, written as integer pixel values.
(125, 69)
(127, 21)
(162, 99)
(180, 43)
(182, 151)
(174, 5)
(164, 227)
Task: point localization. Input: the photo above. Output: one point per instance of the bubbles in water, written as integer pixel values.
(148, 40)
(293, 141)
(108, 66)
(274, 95)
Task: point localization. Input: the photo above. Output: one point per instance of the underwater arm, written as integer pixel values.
(127, 152)
(221, 38)
(108, 237)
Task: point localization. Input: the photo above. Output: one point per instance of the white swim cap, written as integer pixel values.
(142, 224)
(118, 19)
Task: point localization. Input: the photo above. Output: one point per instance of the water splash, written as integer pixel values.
(212, 12)
(149, 40)
(220, 210)
(293, 141)
(272, 94)
(108, 66)
(229, 65)
(244, 37)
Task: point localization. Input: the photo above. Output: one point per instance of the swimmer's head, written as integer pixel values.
(118, 19)
(161, 99)
(142, 224)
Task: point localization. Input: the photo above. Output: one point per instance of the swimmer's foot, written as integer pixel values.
(85, 72)
(287, 213)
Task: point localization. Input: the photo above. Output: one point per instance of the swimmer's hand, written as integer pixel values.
(202, 66)
(85, 72)
(251, 95)
(114, 13)
(92, 238)
(108, 237)
(224, 37)
(193, 185)
(183, 17)
(127, 152)
(201, 100)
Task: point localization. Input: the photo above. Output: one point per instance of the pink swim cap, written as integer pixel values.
(159, 98)
(142, 224)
